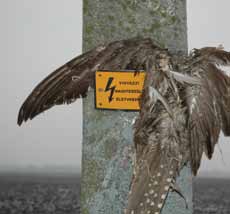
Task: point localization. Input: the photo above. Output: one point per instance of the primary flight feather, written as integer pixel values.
(185, 105)
(73, 79)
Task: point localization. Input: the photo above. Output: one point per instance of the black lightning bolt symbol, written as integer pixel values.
(109, 88)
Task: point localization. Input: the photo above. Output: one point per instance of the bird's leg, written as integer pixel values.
(174, 86)
(155, 95)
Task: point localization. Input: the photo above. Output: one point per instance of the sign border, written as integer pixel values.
(117, 71)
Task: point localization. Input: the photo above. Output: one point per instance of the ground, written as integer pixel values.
(49, 194)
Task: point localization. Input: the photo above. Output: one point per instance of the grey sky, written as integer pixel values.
(39, 36)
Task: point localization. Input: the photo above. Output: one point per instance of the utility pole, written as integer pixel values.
(108, 135)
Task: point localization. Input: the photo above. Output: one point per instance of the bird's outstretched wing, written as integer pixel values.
(208, 103)
(73, 79)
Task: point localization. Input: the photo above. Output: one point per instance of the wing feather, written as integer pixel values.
(36, 101)
(73, 79)
(208, 103)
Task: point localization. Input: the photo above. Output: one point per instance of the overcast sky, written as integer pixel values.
(39, 36)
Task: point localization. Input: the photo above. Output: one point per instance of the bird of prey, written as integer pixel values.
(183, 108)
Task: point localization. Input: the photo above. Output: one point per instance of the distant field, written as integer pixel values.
(212, 196)
(49, 194)
(40, 194)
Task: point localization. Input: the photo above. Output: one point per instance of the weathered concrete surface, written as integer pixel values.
(107, 135)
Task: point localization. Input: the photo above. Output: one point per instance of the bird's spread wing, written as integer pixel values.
(208, 103)
(73, 79)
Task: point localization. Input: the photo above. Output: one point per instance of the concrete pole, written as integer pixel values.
(107, 135)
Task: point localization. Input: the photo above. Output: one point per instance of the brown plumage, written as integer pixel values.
(73, 79)
(184, 106)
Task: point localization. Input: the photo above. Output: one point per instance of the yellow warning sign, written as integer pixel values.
(119, 89)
